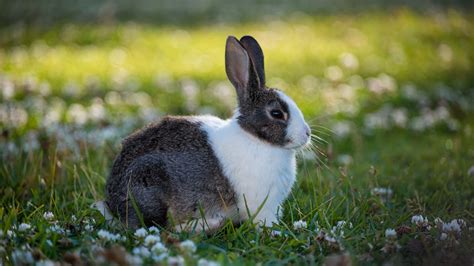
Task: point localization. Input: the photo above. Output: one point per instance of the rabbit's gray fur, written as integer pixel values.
(167, 168)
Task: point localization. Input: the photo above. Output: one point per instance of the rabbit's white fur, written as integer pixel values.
(261, 174)
(297, 127)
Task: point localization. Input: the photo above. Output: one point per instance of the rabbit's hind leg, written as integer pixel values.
(148, 184)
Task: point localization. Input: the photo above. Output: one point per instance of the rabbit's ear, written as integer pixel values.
(240, 70)
(256, 56)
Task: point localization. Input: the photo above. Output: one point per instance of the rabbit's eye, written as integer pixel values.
(277, 114)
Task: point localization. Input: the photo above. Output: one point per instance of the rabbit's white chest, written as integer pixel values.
(262, 175)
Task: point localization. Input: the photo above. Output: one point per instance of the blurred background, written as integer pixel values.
(384, 64)
(188, 12)
(78, 76)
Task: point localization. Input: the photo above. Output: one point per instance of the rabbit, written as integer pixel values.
(207, 170)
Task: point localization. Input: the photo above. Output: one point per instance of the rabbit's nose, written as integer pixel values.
(308, 131)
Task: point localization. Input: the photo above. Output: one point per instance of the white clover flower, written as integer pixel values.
(151, 239)
(445, 53)
(461, 222)
(77, 114)
(23, 227)
(106, 235)
(375, 120)
(90, 220)
(52, 116)
(382, 84)
(158, 248)
(438, 220)
(317, 229)
(20, 257)
(118, 237)
(349, 61)
(342, 129)
(330, 239)
(96, 111)
(8, 89)
(399, 117)
(381, 191)
(10, 146)
(300, 225)
(443, 236)
(88, 228)
(204, 262)
(419, 220)
(134, 260)
(159, 258)
(338, 229)
(56, 229)
(48, 216)
(154, 230)
(10, 234)
(452, 226)
(97, 248)
(44, 263)
(333, 73)
(385, 194)
(141, 233)
(13, 115)
(390, 233)
(103, 234)
(73, 218)
(141, 251)
(452, 124)
(340, 224)
(178, 260)
(188, 246)
(470, 172)
(275, 233)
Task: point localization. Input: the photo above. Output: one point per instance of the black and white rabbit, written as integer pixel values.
(206, 169)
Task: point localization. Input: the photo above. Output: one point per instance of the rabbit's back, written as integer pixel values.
(169, 167)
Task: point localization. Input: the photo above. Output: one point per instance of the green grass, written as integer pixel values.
(77, 90)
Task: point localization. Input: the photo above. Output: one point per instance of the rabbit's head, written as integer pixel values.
(266, 113)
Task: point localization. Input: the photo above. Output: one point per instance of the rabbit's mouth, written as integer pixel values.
(299, 139)
(293, 144)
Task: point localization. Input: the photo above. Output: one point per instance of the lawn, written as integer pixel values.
(390, 95)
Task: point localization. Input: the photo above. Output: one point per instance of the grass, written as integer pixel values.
(390, 94)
